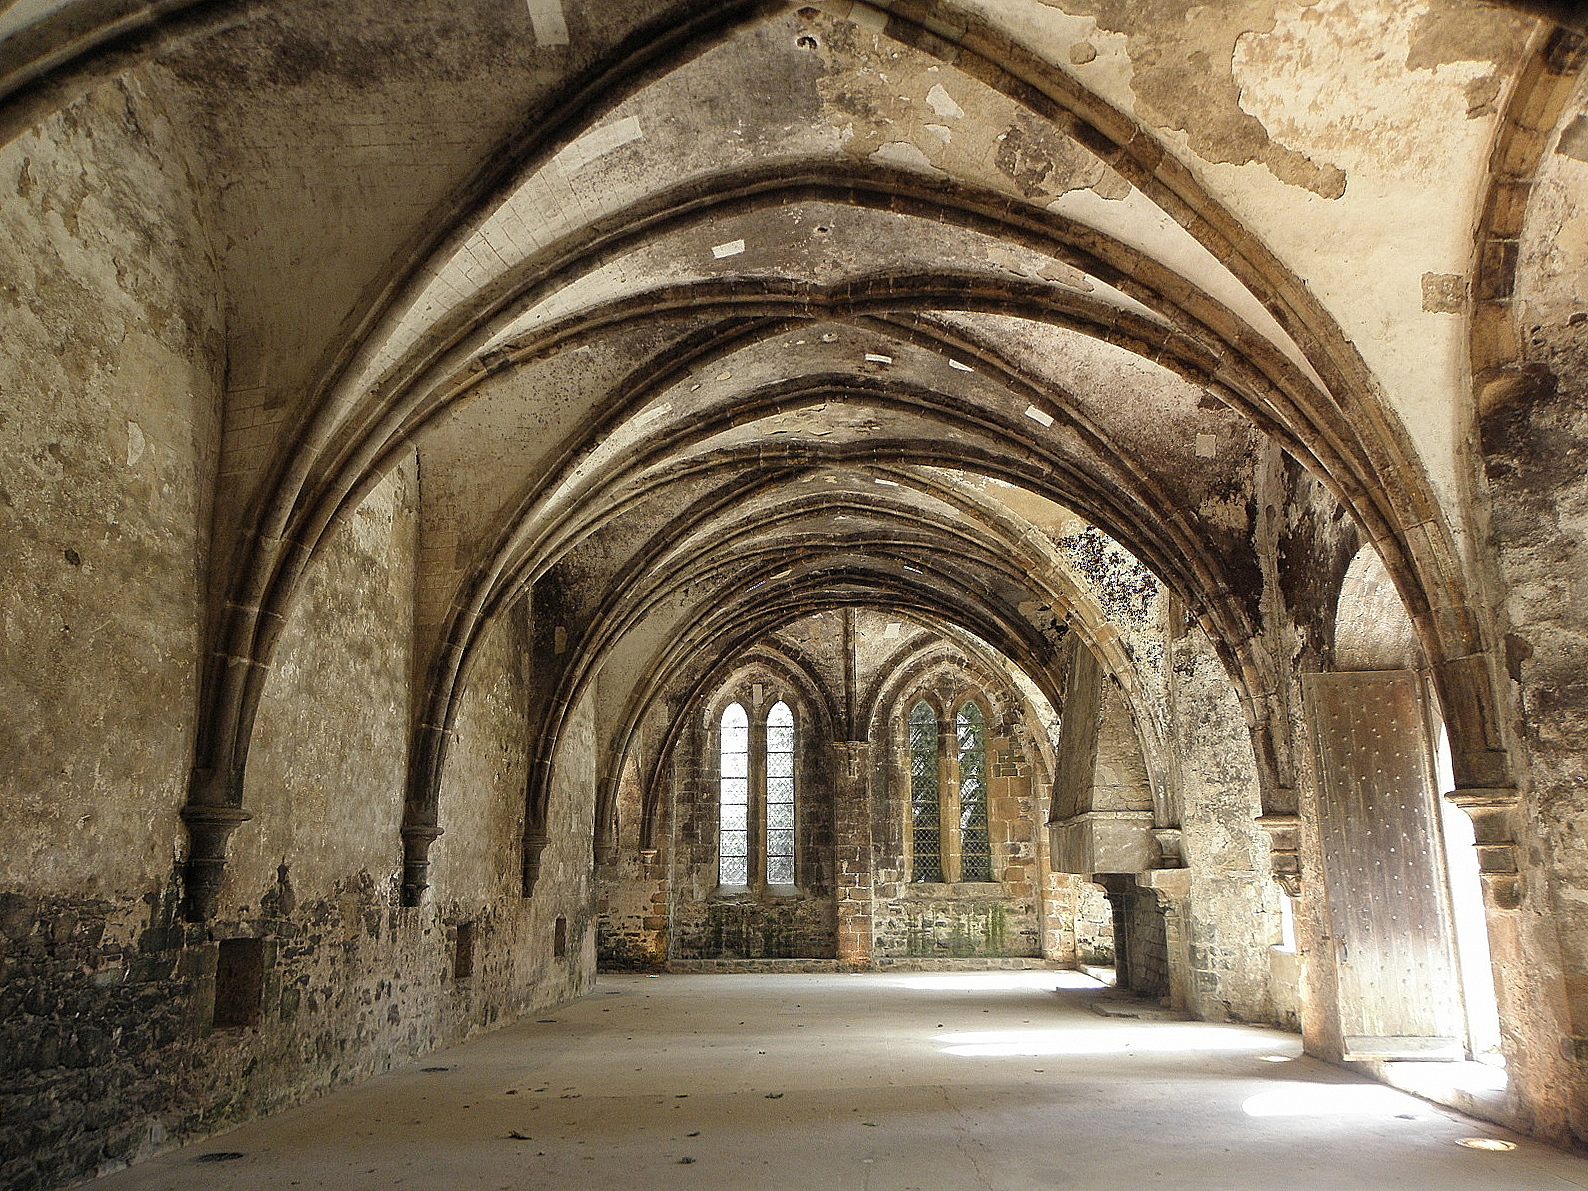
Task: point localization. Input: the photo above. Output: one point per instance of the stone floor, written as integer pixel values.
(933, 1081)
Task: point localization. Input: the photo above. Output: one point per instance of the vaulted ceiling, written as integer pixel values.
(714, 314)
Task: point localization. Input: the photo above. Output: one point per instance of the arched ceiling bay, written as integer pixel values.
(634, 283)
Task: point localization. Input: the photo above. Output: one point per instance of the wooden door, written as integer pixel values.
(1384, 870)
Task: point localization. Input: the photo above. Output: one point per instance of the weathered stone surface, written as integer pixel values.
(109, 365)
(417, 422)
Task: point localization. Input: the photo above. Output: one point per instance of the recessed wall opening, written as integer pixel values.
(1466, 903)
(463, 954)
(559, 938)
(239, 984)
(1287, 923)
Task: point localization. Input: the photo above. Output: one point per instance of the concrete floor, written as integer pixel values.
(932, 1081)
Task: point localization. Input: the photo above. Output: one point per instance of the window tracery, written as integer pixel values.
(948, 829)
(756, 797)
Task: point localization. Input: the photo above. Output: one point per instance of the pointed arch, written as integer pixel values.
(926, 822)
(970, 742)
(733, 796)
(780, 794)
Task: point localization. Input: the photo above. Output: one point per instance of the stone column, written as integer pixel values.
(1172, 887)
(852, 835)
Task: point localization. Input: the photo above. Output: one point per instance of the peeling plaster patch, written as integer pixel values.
(1207, 446)
(873, 358)
(1067, 275)
(1082, 52)
(961, 367)
(1444, 293)
(886, 483)
(1573, 141)
(903, 153)
(650, 415)
(1038, 162)
(1111, 186)
(941, 102)
(1483, 95)
(1446, 34)
(1037, 415)
(869, 18)
(893, 629)
(597, 143)
(1175, 41)
(136, 443)
(731, 248)
(941, 132)
(1332, 80)
(546, 17)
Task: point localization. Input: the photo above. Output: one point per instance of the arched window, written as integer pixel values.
(975, 849)
(925, 813)
(756, 798)
(733, 835)
(780, 795)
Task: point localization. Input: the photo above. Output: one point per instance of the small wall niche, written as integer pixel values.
(463, 954)
(239, 984)
(559, 938)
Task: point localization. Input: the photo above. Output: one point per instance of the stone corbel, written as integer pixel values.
(1491, 810)
(535, 841)
(1169, 842)
(209, 827)
(1284, 850)
(417, 839)
(605, 845)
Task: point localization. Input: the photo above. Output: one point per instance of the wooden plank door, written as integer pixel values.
(1384, 871)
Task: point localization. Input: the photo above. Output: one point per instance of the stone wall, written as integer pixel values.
(1532, 433)
(952, 921)
(708, 923)
(942, 919)
(966, 918)
(1231, 908)
(109, 374)
(109, 379)
(1142, 958)
(109, 1002)
(1078, 924)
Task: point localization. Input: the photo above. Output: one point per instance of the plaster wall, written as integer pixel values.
(108, 997)
(1337, 133)
(328, 762)
(109, 367)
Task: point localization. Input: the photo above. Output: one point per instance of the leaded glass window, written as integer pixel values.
(733, 833)
(780, 795)
(975, 849)
(925, 815)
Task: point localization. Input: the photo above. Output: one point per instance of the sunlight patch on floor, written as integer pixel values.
(1189, 1039)
(984, 981)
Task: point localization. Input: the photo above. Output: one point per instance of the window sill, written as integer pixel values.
(955, 888)
(738, 894)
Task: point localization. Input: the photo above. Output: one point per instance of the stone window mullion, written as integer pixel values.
(948, 797)
(757, 802)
